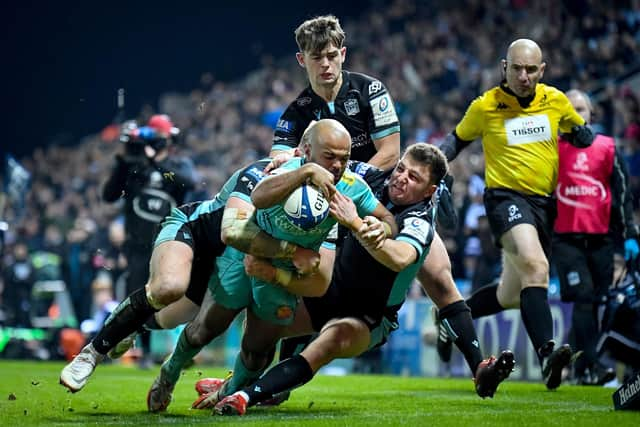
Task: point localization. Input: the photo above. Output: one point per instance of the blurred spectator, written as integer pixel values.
(19, 277)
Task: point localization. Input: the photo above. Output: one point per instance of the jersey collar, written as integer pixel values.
(524, 102)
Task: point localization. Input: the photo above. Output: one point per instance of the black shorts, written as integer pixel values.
(585, 266)
(202, 233)
(339, 303)
(508, 208)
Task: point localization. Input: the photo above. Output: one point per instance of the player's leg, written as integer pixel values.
(170, 270)
(211, 390)
(180, 312)
(229, 294)
(600, 264)
(340, 338)
(454, 315)
(525, 255)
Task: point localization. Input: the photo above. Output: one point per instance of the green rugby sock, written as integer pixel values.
(182, 354)
(242, 377)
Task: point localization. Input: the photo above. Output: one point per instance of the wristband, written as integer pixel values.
(283, 277)
(387, 229)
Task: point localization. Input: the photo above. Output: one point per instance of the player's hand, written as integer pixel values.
(306, 261)
(344, 211)
(259, 268)
(278, 160)
(372, 234)
(322, 179)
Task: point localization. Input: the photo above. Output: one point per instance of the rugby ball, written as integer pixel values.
(306, 207)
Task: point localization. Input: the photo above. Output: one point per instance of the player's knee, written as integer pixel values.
(345, 339)
(165, 290)
(536, 270)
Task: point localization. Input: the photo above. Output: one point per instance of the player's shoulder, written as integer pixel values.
(421, 210)
(364, 83)
(351, 181)
(489, 98)
(550, 94)
(302, 101)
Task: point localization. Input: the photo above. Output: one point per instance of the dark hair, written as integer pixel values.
(431, 156)
(315, 34)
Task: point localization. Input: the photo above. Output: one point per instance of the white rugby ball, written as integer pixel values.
(306, 207)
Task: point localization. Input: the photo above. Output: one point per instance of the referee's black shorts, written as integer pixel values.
(507, 208)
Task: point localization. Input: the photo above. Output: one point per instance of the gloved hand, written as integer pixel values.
(631, 249)
(580, 136)
(447, 216)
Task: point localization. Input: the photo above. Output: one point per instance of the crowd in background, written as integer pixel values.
(433, 57)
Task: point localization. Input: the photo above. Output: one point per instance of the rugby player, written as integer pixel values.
(327, 147)
(365, 107)
(182, 261)
(518, 122)
(368, 286)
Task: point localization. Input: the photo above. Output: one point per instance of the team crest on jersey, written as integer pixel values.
(351, 107)
(375, 87)
(303, 101)
(284, 312)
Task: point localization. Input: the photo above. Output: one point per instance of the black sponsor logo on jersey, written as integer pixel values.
(502, 106)
(351, 107)
(303, 101)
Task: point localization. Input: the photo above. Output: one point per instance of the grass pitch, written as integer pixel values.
(30, 395)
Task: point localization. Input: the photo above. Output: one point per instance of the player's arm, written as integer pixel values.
(415, 237)
(468, 130)
(274, 188)
(240, 231)
(305, 285)
(345, 212)
(388, 151)
(393, 254)
(288, 132)
(573, 127)
(453, 145)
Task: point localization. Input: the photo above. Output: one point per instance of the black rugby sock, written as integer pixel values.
(456, 319)
(292, 346)
(284, 376)
(484, 301)
(152, 323)
(127, 318)
(536, 316)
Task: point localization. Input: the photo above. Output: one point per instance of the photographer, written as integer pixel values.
(151, 181)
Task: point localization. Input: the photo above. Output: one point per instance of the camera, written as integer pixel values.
(137, 137)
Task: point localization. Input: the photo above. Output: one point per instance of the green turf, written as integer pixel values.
(116, 396)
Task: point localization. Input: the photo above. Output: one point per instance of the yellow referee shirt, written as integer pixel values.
(520, 144)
